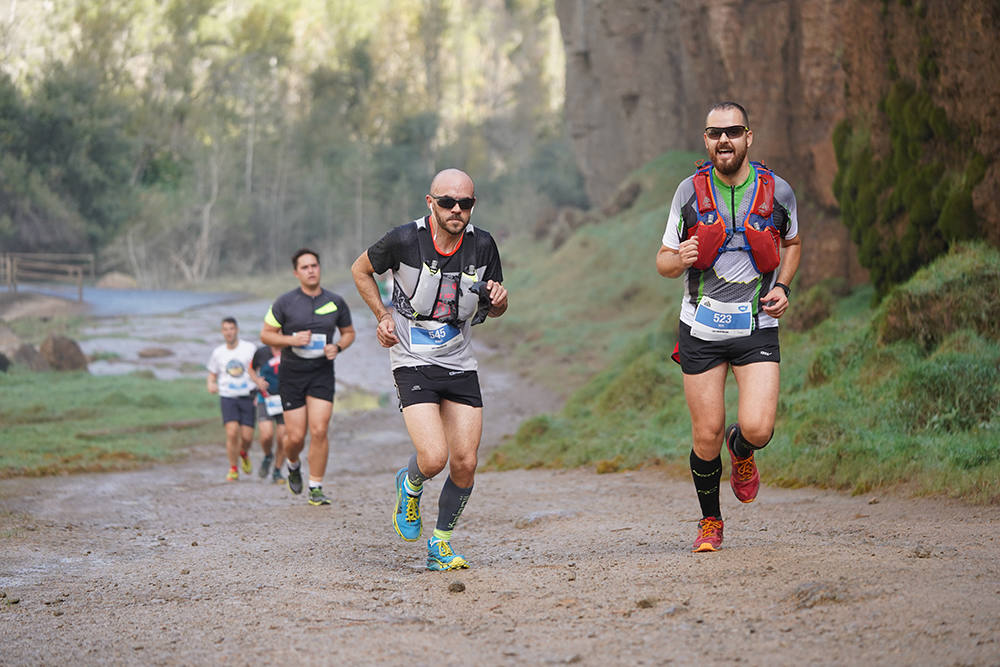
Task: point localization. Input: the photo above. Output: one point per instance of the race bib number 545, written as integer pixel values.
(430, 337)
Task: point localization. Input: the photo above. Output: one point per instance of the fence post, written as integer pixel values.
(13, 273)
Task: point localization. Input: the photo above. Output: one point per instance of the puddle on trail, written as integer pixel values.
(178, 345)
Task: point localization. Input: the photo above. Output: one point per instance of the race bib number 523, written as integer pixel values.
(718, 320)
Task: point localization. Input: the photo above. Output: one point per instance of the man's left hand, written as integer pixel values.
(775, 302)
(498, 297)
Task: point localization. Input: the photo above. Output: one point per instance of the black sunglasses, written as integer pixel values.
(449, 202)
(733, 132)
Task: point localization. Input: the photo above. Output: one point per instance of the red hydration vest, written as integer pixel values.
(759, 230)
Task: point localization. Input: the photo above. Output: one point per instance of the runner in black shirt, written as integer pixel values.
(306, 321)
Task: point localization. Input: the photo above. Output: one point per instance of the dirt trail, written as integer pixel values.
(170, 565)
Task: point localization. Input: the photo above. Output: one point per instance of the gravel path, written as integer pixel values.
(171, 565)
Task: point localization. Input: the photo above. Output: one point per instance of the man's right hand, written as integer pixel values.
(687, 251)
(301, 338)
(385, 332)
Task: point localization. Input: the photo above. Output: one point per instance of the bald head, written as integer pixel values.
(452, 181)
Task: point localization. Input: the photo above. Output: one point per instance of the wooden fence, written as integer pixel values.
(22, 267)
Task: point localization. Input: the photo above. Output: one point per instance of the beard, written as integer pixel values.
(452, 221)
(728, 164)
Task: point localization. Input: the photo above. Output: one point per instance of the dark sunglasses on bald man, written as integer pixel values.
(733, 132)
(449, 202)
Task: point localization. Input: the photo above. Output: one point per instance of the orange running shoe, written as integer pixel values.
(233, 475)
(744, 477)
(709, 535)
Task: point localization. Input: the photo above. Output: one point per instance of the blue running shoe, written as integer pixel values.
(441, 557)
(406, 513)
(265, 466)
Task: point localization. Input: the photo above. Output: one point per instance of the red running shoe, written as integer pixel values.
(744, 478)
(709, 535)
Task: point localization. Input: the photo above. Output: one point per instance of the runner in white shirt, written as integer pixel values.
(231, 376)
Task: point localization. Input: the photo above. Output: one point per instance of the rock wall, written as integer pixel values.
(641, 75)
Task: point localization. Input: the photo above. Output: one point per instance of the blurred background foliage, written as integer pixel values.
(186, 139)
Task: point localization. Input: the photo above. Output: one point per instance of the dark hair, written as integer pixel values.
(303, 251)
(230, 320)
(725, 106)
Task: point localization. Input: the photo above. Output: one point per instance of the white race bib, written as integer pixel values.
(273, 405)
(313, 349)
(718, 320)
(429, 337)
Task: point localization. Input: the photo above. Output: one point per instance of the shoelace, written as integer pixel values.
(709, 528)
(412, 504)
(443, 548)
(745, 468)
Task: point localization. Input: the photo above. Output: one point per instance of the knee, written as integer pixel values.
(757, 435)
(464, 465)
(431, 462)
(706, 438)
(295, 438)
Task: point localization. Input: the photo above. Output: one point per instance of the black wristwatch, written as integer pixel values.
(339, 349)
(788, 290)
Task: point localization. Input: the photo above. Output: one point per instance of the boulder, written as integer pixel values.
(63, 354)
(117, 280)
(27, 355)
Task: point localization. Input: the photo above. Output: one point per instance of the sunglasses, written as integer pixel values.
(733, 132)
(449, 202)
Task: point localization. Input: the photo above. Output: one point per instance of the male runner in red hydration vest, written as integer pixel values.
(724, 230)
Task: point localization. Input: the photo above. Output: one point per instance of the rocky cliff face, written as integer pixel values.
(641, 75)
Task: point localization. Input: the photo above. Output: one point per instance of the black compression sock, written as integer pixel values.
(450, 504)
(706, 475)
(742, 447)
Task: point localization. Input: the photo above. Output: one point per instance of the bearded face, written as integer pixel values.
(728, 155)
(727, 150)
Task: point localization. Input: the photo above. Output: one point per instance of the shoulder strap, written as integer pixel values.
(703, 189)
(425, 243)
(763, 202)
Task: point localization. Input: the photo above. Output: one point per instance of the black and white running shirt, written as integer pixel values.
(429, 342)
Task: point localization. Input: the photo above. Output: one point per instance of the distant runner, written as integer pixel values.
(231, 377)
(270, 417)
(307, 321)
(446, 277)
(723, 234)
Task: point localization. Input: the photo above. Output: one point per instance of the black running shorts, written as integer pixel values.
(296, 385)
(698, 356)
(433, 384)
(262, 415)
(237, 409)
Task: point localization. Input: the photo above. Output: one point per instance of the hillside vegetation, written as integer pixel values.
(904, 394)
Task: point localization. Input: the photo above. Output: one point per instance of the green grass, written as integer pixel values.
(576, 308)
(72, 422)
(34, 329)
(904, 395)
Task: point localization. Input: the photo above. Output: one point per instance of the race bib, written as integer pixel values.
(273, 405)
(718, 320)
(434, 337)
(314, 349)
